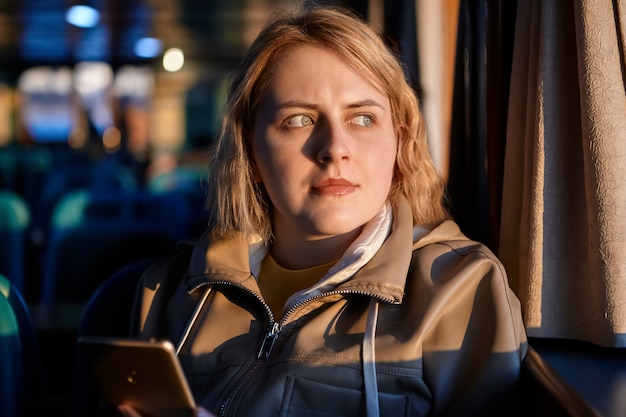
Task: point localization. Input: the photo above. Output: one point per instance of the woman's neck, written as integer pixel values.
(299, 253)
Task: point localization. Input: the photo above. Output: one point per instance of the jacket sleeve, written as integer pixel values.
(475, 342)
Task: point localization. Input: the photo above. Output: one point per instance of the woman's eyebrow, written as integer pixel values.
(365, 103)
(351, 105)
(295, 103)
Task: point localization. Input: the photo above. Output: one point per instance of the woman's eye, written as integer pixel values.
(301, 120)
(363, 120)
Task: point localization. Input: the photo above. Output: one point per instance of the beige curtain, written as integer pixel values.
(563, 230)
(436, 39)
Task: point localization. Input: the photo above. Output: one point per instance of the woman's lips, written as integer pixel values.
(334, 186)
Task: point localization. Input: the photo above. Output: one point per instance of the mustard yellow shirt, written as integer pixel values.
(278, 284)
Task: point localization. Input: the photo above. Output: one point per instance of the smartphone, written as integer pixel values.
(143, 374)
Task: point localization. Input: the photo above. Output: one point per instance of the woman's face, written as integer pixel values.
(324, 145)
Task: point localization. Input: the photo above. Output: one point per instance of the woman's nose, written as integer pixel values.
(332, 140)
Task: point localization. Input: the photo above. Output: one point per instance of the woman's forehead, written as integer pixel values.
(292, 54)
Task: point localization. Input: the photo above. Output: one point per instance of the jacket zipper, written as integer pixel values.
(264, 352)
(275, 327)
(268, 342)
(273, 332)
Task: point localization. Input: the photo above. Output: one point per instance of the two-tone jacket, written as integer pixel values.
(425, 327)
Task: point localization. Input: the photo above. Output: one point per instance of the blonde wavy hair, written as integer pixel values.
(237, 204)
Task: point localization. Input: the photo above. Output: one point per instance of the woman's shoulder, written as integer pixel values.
(448, 237)
(445, 253)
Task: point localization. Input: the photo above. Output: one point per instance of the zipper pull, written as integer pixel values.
(268, 342)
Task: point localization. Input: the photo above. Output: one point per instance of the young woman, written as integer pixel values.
(331, 281)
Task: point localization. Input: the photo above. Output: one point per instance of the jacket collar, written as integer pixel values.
(384, 276)
(446, 231)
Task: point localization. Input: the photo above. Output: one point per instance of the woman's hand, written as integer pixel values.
(126, 411)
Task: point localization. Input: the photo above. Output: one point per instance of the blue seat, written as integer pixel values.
(546, 393)
(9, 167)
(187, 182)
(186, 179)
(62, 179)
(15, 220)
(28, 390)
(11, 369)
(93, 235)
(107, 313)
(598, 373)
(33, 164)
